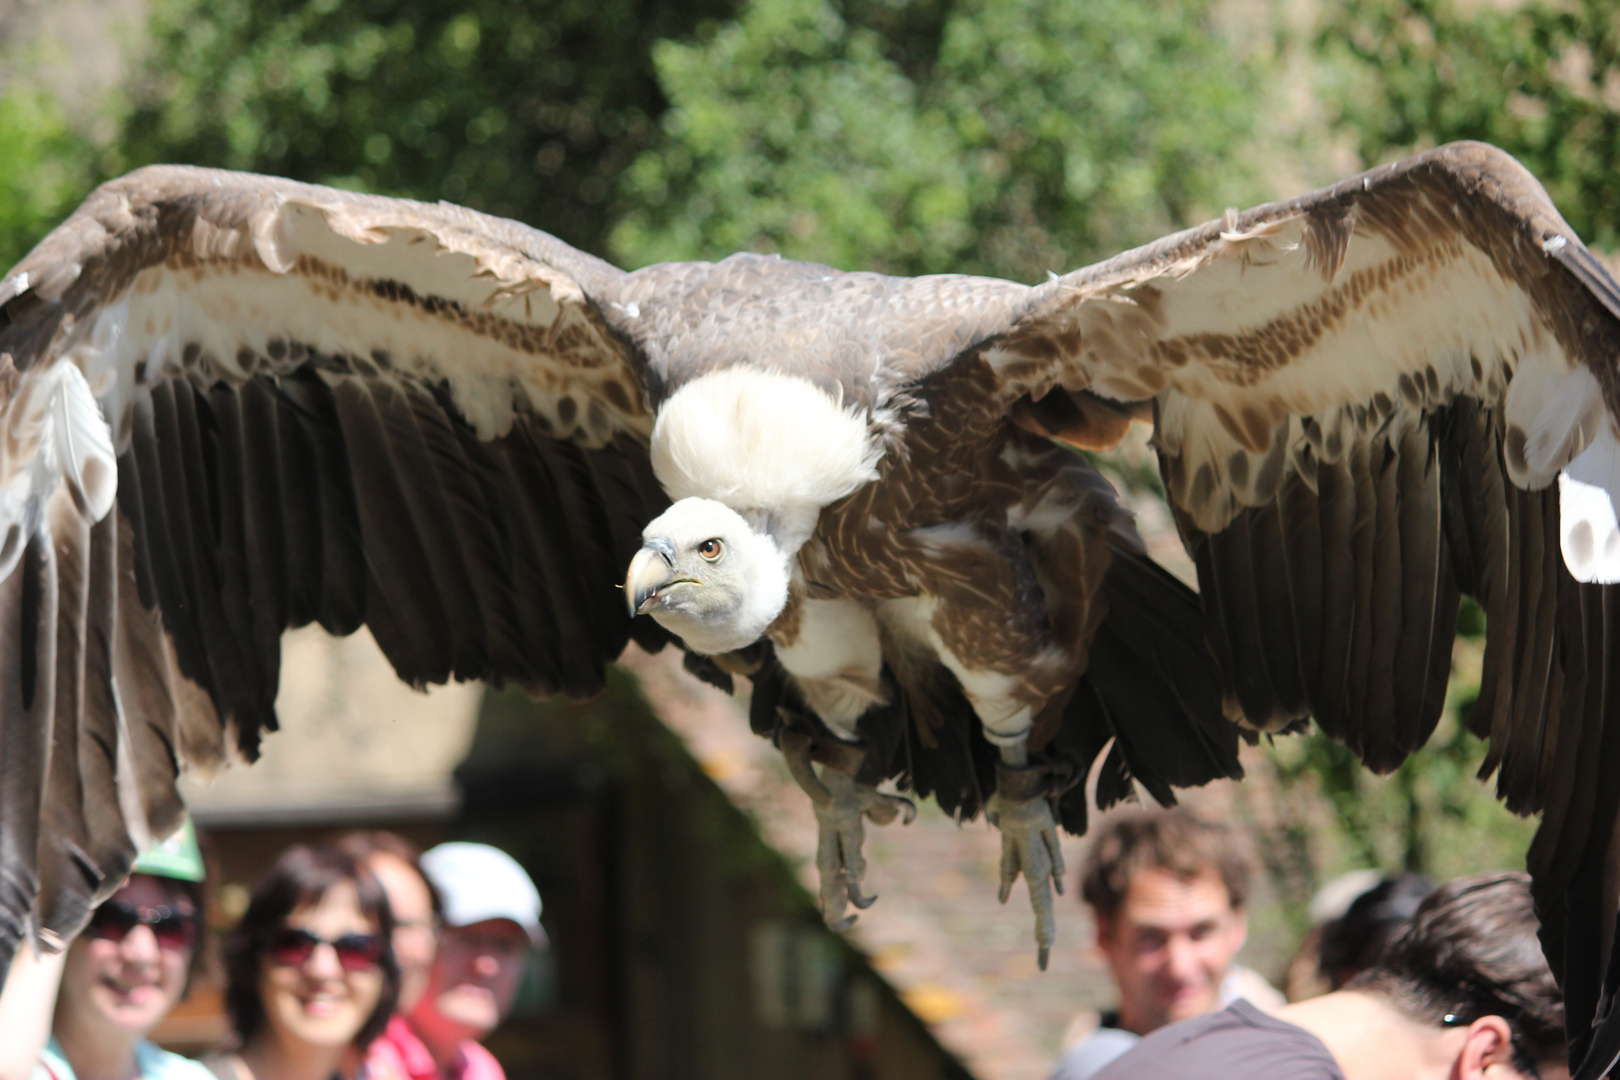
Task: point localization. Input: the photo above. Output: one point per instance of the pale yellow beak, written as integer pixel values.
(652, 569)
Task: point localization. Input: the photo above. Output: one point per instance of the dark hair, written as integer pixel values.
(369, 843)
(1353, 942)
(1469, 951)
(301, 877)
(1176, 841)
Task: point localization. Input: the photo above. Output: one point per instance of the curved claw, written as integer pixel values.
(885, 808)
(842, 807)
(1029, 846)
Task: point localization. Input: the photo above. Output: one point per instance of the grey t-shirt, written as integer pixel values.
(1240, 1040)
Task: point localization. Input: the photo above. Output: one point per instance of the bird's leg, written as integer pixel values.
(842, 805)
(1022, 808)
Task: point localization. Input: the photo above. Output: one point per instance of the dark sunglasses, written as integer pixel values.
(114, 920)
(291, 947)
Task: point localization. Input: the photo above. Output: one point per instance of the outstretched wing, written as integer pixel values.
(230, 405)
(1363, 398)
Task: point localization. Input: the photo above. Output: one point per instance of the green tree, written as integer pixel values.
(1540, 80)
(46, 167)
(1011, 137)
(524, 109)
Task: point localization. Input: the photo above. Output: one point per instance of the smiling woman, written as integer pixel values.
(310, 970)
(118, 979)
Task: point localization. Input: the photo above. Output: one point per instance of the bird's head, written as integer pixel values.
(705, 574)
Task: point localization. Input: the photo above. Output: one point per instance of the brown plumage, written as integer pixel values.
(232, 405)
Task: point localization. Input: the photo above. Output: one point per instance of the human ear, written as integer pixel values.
(1489, 1042)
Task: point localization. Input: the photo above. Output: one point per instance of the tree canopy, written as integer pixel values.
(528, 109)
(1540, 80)
(1011, 138)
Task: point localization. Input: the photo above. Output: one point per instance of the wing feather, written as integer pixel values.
(1278, 629)
(250, 533)
(101, 737)
(1302, 558)
(320, 493)
(28, 602)
(1336, 483)
(68, 875)
(1380, 723)
(479, 538)
(411, 626)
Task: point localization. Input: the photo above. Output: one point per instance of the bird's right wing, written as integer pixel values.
(230, 405)
(1368, 400)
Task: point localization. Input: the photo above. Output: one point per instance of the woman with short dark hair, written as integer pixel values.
(310, 971)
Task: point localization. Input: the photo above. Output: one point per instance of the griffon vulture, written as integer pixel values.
(230, 405)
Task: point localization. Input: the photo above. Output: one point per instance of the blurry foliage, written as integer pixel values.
(1540, 80)
(528, 110)
(1011, 137)
(46, 167)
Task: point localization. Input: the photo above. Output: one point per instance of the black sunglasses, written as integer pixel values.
(114, 920)
(292, 947)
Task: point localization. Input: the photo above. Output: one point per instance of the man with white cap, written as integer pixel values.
(491, 919)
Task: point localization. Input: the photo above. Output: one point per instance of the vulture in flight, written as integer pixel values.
(230, 405)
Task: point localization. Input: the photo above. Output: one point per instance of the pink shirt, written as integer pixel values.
(399, 1055)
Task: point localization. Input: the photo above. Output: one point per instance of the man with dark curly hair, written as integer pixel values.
(1167, 890)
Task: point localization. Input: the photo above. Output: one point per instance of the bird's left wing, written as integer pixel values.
(230, 405)
(1363, 400)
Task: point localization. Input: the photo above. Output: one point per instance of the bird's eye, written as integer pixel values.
(712, 550)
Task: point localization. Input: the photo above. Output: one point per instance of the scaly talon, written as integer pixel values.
(1029, 846)
(842, 808)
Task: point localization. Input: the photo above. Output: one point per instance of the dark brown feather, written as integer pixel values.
(1337, 496)
(28, 603)
(1300, 532)
(404, 608)
(330, 483)
(481, 535)
(68, 874)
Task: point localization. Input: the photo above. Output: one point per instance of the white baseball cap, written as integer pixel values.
(478, 882)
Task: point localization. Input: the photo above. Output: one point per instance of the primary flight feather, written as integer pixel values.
(231, 404)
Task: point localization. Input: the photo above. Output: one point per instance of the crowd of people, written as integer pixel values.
(367, 960)
(360, 960)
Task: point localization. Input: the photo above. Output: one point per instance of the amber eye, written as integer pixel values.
(711, 550)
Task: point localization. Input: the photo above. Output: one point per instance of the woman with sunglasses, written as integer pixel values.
(112, 985)
(310, 972)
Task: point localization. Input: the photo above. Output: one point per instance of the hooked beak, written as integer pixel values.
(651, 569)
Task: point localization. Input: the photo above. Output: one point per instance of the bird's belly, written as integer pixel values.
(836, 657)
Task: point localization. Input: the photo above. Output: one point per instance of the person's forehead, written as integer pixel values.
(338, 906)
(1157, 897)
(147, 890)
(399, 880)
